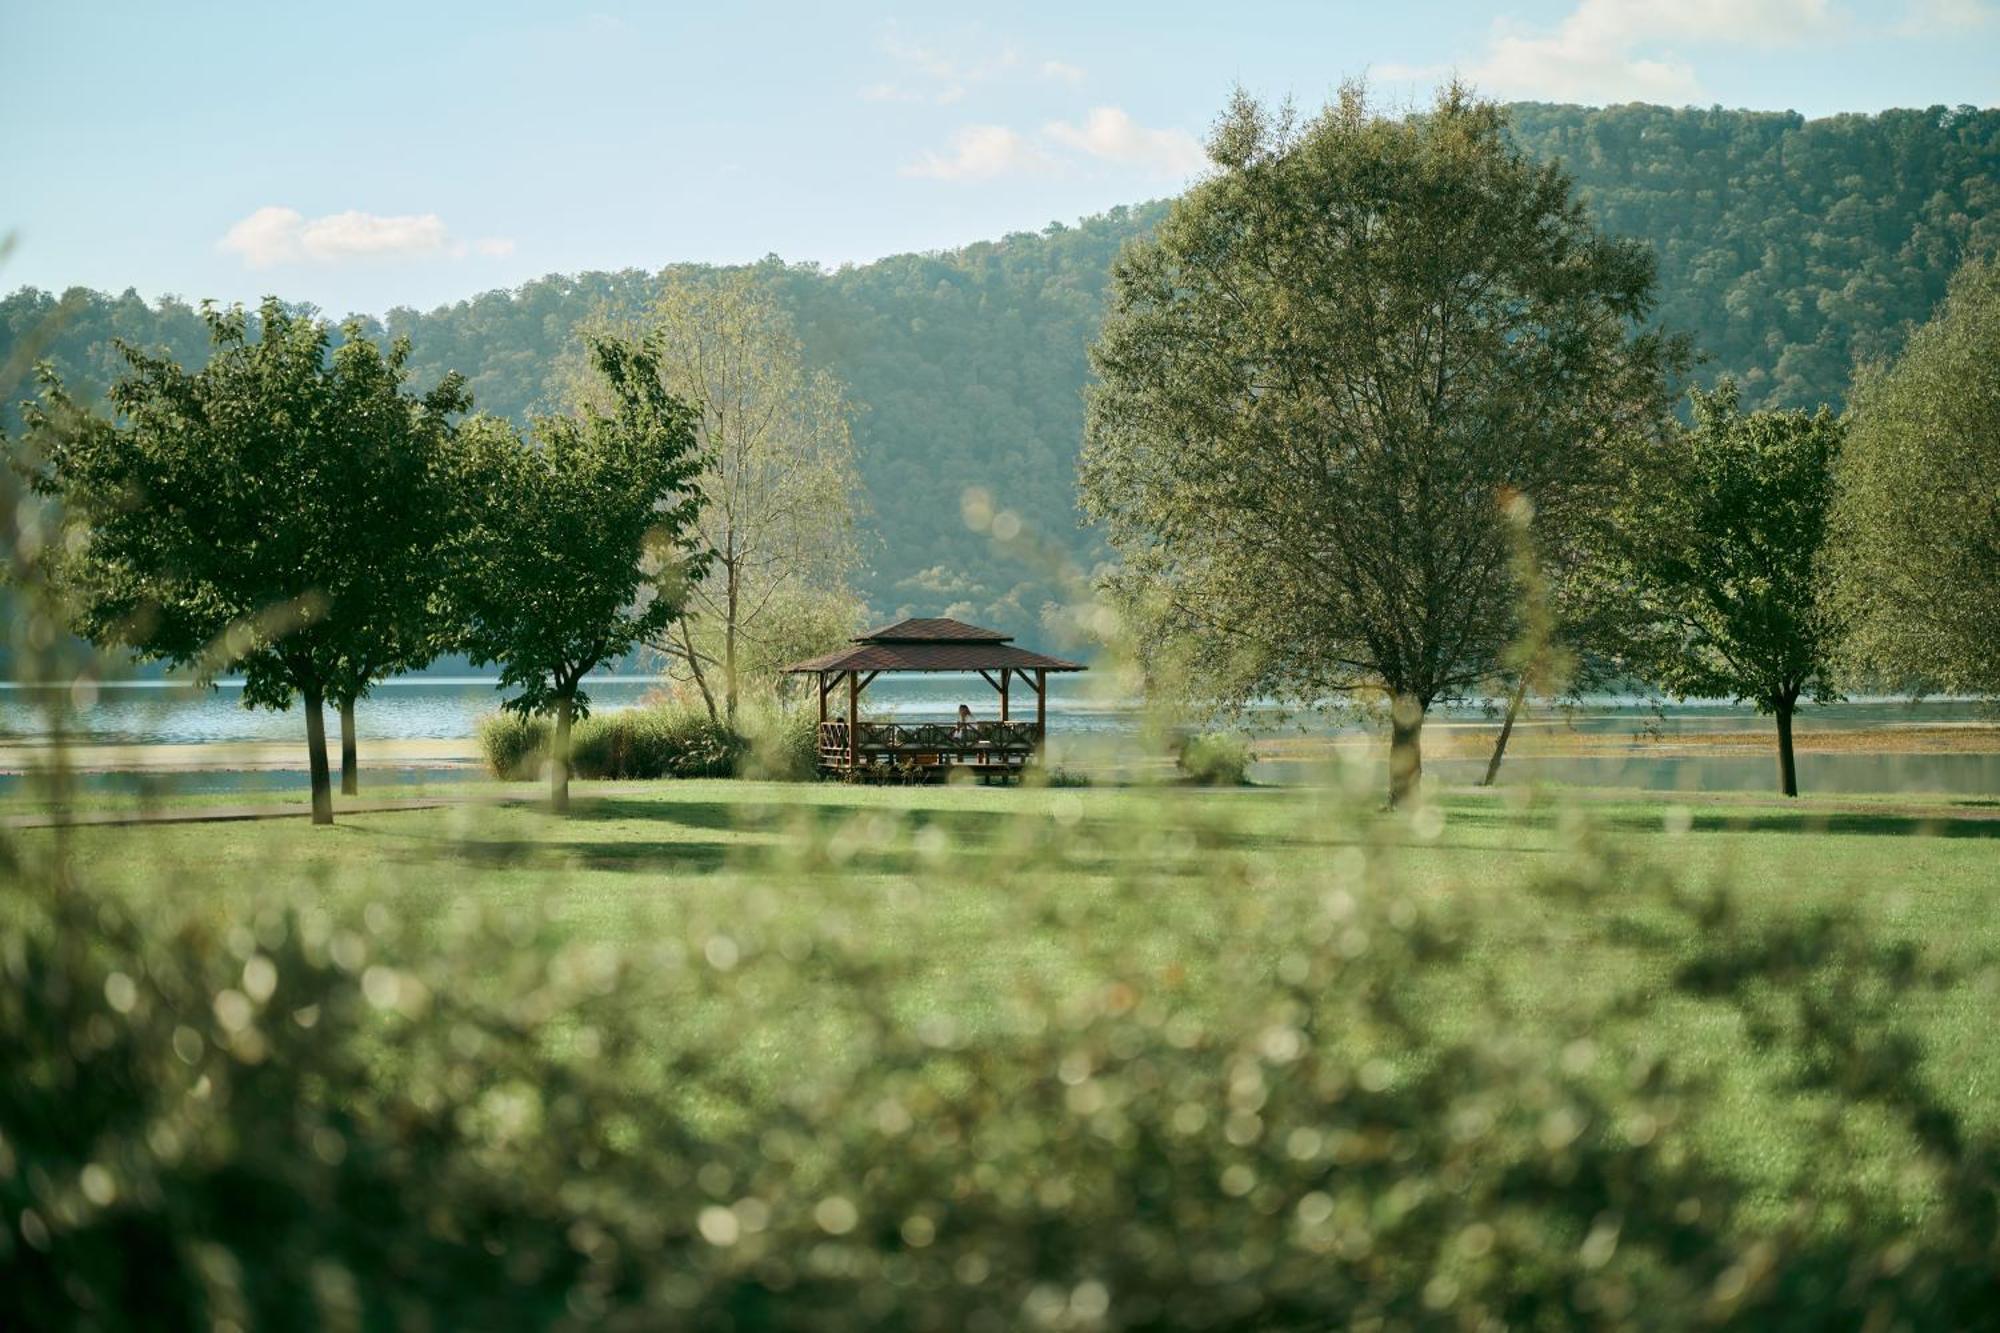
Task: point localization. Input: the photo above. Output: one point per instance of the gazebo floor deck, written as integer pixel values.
(917, 769)
(928, 751)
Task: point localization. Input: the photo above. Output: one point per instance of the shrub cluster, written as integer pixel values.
(653, 741)
(1214, 759)
(515, 747)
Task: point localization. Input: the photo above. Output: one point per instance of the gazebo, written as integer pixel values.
(991, 748)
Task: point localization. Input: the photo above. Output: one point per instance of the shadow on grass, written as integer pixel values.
(966, 829)
(982, 843)
(699, 855)
(713, 835)
(1725, 820)
(1846, 822)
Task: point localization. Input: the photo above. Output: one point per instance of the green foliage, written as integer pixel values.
(306, 1118)
(1788, 248)
(660, 741)
(1791, 249)
(515, 745)
(1343, 351)
(670, 740)
(781, 741)
(580, 547)
(1214, 759)
(1915, 550)
(276, 513)
(778, 482)
(1720, 550)
(1719, 555)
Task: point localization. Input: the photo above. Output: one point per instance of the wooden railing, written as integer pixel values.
(932, 744)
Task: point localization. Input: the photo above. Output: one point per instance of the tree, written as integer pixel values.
(224, 520)
(1719, 554)
(1915, 552)
(779, 483)
(1342, 357)
(397, 507)
(580, 545)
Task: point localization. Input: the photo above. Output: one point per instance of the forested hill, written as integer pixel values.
(1788, 248)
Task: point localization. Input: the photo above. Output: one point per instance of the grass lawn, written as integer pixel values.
(968, 893)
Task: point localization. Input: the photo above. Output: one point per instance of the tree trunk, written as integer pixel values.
(1406, 752)
(559, 759)
(322, 781)
(700, 676)
(1506, 730)
(729, 652)
(350, 774)
(1788, 769)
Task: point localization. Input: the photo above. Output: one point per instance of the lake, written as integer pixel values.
(1083, 727)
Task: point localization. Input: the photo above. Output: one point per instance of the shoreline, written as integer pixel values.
(22, 757)
(1540, 738)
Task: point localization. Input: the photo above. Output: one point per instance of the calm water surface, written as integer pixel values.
(1082, 725)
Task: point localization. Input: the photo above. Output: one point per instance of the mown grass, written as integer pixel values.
(972, 890)
(778, 938)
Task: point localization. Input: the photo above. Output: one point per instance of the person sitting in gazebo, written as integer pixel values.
(964, 731)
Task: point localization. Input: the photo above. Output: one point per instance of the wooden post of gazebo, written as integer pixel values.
(1005, 672)
(1041, 706)
(853, 718)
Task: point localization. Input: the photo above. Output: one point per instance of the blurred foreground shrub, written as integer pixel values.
(1214, 759)
(295, 1120)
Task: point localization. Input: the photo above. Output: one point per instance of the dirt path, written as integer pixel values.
(211, 814)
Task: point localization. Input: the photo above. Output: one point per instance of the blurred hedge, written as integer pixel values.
(297, 1120)
(666, 740)
(1214, 759)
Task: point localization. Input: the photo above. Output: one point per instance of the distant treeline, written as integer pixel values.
(1789, 249)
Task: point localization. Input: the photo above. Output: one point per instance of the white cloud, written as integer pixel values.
(1623, 50)
(1932, 18)
(981, 152)
(268, 236)
(1111, 135)
(275, 235)
(358, 235)
(1062, 72)
(1107, 134)
(935, 76)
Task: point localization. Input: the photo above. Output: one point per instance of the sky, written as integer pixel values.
(362, 155)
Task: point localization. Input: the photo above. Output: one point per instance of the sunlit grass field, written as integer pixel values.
(1079, 1017)
(966, 895)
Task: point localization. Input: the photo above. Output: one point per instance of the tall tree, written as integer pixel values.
(779, 481)
(1915, 551)
(1720, 557)
(1325, 379)
(395, 495)
(580, 545)
(218, 522)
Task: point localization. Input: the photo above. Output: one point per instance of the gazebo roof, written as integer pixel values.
(932, 644)
(933, 630)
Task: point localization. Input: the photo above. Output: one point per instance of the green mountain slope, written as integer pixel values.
(1790, 249)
